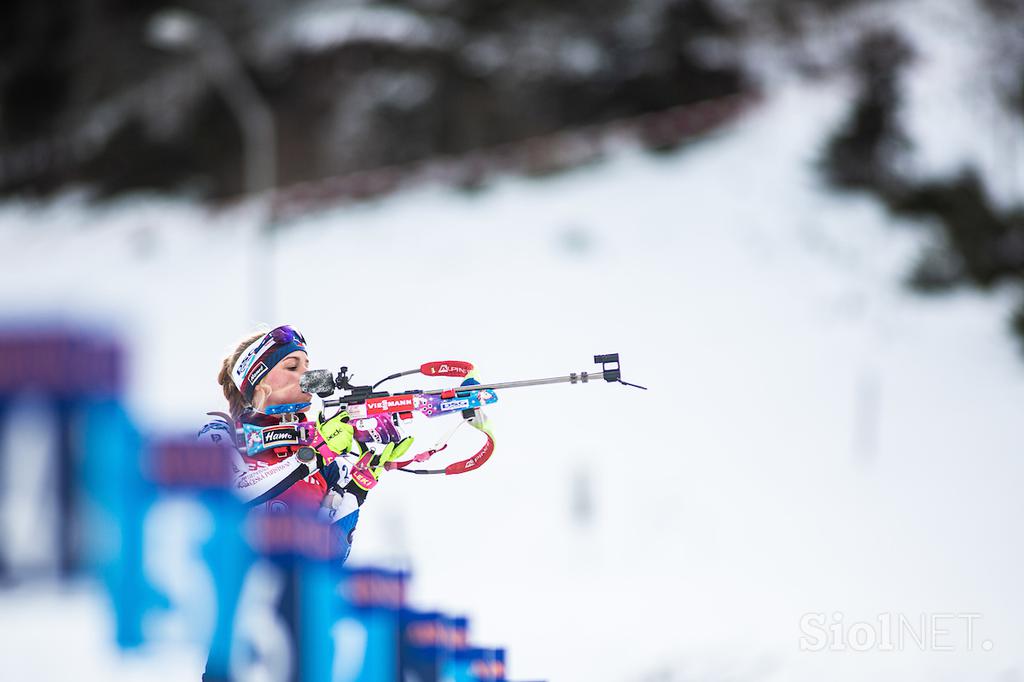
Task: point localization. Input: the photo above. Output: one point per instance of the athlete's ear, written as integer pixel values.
(259, 396)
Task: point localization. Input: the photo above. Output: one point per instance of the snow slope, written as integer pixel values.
(815, 439)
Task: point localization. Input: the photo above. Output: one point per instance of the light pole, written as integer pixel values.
(181, 30)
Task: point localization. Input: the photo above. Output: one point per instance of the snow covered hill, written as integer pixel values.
(815, 438)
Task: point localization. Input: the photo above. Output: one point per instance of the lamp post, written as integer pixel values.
(180, 30)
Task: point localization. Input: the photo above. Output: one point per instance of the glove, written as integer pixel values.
(336, 432)
(392, 452)
(368, 469)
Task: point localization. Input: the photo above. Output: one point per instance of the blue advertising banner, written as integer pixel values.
(49, 375)
(165, 534)
(429, 643)
(362, 618)
(476, 664)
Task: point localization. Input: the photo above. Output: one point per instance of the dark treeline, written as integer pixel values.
(352, 85)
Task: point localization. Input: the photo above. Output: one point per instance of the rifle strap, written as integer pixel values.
(462, 466)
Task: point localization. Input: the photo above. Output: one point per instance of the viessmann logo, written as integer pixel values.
(398, 403)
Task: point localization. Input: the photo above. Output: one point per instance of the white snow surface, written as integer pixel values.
(816, 439)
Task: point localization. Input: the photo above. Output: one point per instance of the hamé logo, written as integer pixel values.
(279, 435)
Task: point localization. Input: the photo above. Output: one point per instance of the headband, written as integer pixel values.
(260, 356)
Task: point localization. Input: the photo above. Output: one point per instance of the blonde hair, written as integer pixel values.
(236, 403)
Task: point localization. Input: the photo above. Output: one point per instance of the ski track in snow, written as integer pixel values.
(815, 438)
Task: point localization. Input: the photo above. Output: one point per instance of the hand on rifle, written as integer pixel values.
(336, 432)
(370, 466)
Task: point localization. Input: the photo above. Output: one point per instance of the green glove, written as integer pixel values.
(390, 453)
(368, 469)
(336, 432)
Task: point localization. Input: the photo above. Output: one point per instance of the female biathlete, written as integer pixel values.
(262, 372)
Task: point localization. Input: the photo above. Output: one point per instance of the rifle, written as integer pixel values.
(376, 414)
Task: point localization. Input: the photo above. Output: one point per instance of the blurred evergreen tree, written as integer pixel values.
(977, 243)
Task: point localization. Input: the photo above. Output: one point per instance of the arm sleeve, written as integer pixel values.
(254, 487)
(341, 510)
(341, 505)
(343, 496)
